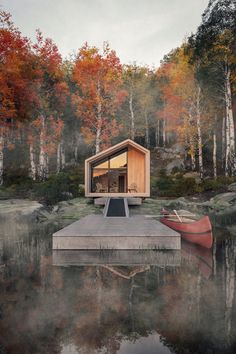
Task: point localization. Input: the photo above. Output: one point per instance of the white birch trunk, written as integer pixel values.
(63, 156)
(192, 154)
(227, 147)
(58, 157)
(76, 153)
(42, 153)
(147, 138)
(199, 133)
(164, 133)
(223, 152)
(1, 158)
(230, 163)
(193, 161)
(132, 127)
(214, 155)
(99, 120)
(33, 169)
(230, 255)
(157, 134)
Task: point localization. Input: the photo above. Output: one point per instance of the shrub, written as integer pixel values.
(56, 188)
(175, 186)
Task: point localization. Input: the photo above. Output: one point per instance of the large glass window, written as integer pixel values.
(110, 175)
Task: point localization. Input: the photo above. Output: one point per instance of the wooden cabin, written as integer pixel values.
(123, 170)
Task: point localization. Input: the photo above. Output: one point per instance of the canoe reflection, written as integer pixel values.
(200, 257)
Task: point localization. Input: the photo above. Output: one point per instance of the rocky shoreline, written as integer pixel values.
(18, 216)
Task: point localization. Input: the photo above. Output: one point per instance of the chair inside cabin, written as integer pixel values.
(100, 188)
(133, 188)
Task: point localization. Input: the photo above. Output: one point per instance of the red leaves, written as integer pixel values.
(98, 79)
(50, 130)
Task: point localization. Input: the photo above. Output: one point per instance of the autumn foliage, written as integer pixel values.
(57, 112)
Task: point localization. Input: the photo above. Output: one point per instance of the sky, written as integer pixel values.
(140, 31)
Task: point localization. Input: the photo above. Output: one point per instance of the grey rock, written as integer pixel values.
(229, 197)
(232, 187)
(175, 164)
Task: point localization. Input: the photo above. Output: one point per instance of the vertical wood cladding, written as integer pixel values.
(136, 169)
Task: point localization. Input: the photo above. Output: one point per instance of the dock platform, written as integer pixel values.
(97, 232)
(131, 258)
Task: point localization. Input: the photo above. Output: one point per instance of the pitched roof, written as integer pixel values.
(114, 148)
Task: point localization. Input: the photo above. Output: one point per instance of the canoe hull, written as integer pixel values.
(198, 232)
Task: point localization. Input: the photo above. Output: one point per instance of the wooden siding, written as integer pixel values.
(136, 169)
(139, 160)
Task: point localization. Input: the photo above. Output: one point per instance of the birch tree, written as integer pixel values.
(98, 79)
(215, 48)
(51, 91)
(16, 94)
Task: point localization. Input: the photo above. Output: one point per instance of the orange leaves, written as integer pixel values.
(178, 87)
(98, 79)
(49, 130)
(13, 86)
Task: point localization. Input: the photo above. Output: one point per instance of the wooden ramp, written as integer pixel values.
(131, 258)
(99, 232)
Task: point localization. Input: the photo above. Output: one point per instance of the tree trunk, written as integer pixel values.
(223, 147)
(76, 153)
(58, 157)
(164, 133)
(43, 168)
(63, 156)
(230, 254)
(192, 154)
(199, 133)
(157, 134)
(99, 120)
(132, 128)
(1, 158)
(33, 169)
(214, 155)
(230, 164)
(147, 138)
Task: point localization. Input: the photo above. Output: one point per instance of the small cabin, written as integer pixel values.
(123, 170)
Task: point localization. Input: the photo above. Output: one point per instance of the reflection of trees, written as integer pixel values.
(96, 308)
(230, 255)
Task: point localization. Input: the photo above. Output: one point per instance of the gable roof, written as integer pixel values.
(117, 147)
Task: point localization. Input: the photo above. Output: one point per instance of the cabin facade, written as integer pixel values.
(123, 170)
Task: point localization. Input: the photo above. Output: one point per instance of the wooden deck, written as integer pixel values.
(135, 232)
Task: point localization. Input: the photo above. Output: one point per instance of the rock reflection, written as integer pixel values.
(116, 303)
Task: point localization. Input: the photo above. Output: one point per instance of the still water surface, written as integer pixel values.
(116, 303)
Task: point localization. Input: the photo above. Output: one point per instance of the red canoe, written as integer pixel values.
(194, 231)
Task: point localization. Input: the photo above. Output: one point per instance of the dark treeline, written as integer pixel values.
(54, 113)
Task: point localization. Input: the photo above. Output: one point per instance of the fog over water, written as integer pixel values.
(168, 302)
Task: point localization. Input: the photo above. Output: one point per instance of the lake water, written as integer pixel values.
(166, 302)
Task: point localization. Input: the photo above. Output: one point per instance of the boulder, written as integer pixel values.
(229, 197)
(232, 187)
(175, 165)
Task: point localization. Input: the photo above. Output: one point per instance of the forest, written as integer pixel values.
(56, 112)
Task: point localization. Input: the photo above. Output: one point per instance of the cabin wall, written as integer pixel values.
(136, 169)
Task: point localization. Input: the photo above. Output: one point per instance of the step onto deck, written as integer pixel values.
(135, 232)
(131, 201)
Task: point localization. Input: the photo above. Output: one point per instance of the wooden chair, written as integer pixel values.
(100, 188)
(133, 188)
